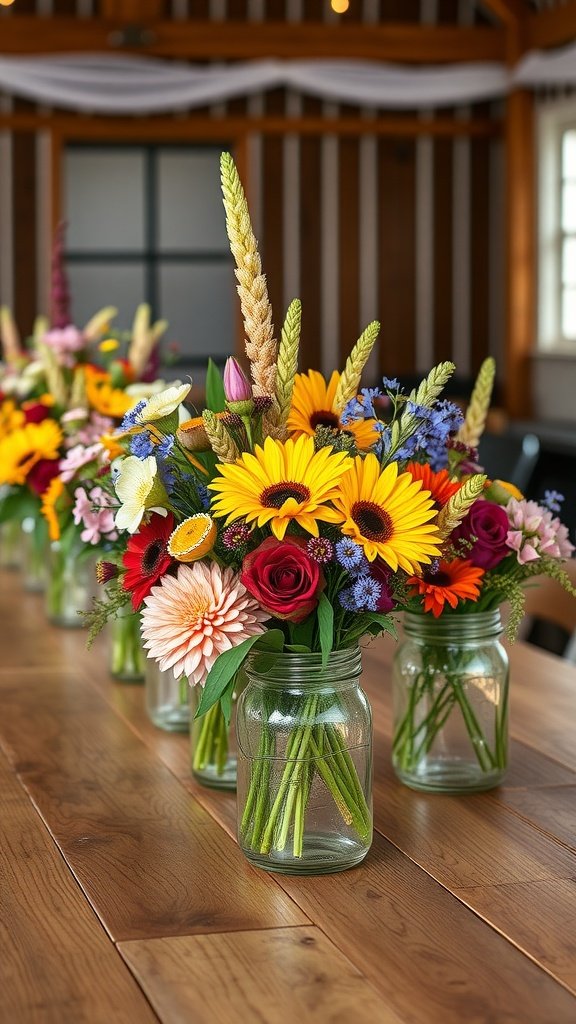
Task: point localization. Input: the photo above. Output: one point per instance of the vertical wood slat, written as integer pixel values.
(480, 252)
(520, 249)
(24, 229)
(443, 240)
(348, 296)
(397, 237)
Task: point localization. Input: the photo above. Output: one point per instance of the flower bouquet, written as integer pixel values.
(451, 674)
(271, 534)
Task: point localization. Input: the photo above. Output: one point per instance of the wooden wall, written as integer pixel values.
(405, 228)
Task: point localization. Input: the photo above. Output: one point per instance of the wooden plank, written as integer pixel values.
(280, 975)
(539, 916)
(203, 127)
(551, 809)
(551, 28)
(151, 861)
(443, 274)
(479, 252)
(235, 40)
(508, 11)
(397, 255)
(24, 237)
(55, 953)
(429, 957)
(348, 249)
(272, 248)
(520, 251)
(541, 723)
(310, 252)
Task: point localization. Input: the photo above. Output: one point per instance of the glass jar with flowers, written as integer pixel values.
(450, 676)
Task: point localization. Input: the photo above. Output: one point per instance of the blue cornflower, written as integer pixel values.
(366, 593)
(346, 598)
(165, 447)
(204, 495)
(390, 384)
(141, 446)
(130, 417)
(553, 500)
(349, 554)
(167, 476)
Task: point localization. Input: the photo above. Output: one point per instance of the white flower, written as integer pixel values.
(159, 406)
(142, 389)
(139, 488)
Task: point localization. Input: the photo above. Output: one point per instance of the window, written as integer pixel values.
(557, 227)
(146, 224)
(568, 230)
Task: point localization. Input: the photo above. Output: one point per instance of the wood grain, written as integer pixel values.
(431, 959)
(151, 861)
(54, 951)
(551, 809)
(282, 975)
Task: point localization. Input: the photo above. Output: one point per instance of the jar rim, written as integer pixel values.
(291, 669)
(460, 625)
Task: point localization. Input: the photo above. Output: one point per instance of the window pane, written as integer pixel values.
(569, 206)
(569, 261)
(93, 286)
(104, 199)
(569, 154)
(569, 313)
(191, 214)
(198, 302)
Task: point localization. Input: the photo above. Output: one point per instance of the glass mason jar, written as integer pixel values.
(213, 742)
(71, 585)
(450, 694)
(35, 553)
(127, 656)
(11, 544)
(304, 763)
(167, 701)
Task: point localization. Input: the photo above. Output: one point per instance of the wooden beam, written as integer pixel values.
(226, 128)
(552, 28)
(520, 251)
(509, 11)
(228, 40)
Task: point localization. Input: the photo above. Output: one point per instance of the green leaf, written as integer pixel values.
(302, 632)
(325, 626)
(215, 397)
(226, 700)
(297, 648)
(227, 664)
(385, 623)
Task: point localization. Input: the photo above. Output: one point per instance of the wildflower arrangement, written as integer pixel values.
(285, 517)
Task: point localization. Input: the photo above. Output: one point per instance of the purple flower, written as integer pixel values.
(320, 549)
(350, 555)
(534, 532)
(236, 384)
(367, 593)
(485, 528)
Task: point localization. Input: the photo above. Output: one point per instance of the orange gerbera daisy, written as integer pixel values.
(103, 397)
(439, 484)
(313, 406)
(447, 583)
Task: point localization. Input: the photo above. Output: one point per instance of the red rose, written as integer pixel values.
(41, 474)
(35, 412)
(283, 578)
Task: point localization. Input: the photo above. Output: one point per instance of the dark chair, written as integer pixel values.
(505, 457)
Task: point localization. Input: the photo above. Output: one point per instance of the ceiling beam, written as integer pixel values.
(555, 27)
(203, 40)
(511, 12)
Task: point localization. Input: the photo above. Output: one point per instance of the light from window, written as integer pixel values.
(568, 199)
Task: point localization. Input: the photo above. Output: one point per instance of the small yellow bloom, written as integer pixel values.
(511, 488)
(108, 345)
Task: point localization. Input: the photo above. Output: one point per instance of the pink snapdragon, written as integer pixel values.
(92, 510)
(77, 457)
(535, 532)
(64, 342)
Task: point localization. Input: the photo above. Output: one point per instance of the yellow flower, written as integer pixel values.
(193, 539)
(49, 499)
(511, 488)
(313, 406)
(108, 345)
(282, 483)
(21, 450)
(388, 514)
(104, 398)
(11, 417)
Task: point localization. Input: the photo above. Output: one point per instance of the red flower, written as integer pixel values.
(42, 473)
(283, 578)
(35, 412)
(146, 558)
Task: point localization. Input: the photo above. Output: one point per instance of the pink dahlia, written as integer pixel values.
(535, 532)
(191, 618)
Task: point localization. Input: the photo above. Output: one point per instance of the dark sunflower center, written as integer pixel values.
(277, 494)
(152, 555)
(372, 521)
(437, 579)
(324, 418)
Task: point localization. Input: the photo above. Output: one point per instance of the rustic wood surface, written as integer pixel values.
(125, 898)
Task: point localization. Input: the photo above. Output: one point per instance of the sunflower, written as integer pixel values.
(387, 514)
(313, 406)
(103, 397)
(439, 484)
(146, 558)
(11, 417)
(450, 582)
(282, 483)
(50, 498)
(21, 450)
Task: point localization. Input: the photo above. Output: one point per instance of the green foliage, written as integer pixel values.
(105, 609)
(325, 627)
(215, 397)
(222, 673)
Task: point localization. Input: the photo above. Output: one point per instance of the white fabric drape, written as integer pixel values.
(118, 84)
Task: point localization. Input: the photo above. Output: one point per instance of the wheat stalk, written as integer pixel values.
(458, 504)
(350, 379)
(286, 370)
(475, 420)
(221, 443)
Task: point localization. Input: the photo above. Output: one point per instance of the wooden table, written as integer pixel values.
(125, 899)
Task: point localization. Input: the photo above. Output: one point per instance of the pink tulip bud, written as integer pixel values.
(236, 384)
